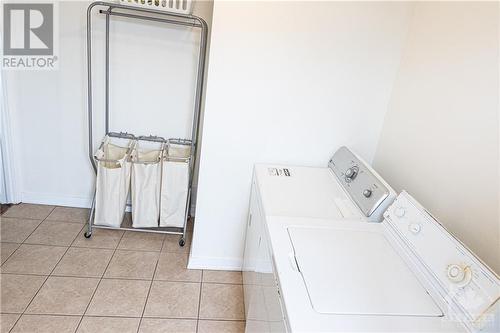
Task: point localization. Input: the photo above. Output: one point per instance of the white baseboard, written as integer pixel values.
(55, 200)
(226, 264)
(65, 201)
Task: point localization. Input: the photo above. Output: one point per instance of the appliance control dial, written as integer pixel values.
(367, 193)
(351, 173)
(459, 275)
(415, 228)
(399, 211)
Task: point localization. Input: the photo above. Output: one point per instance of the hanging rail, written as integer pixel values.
(120, 10)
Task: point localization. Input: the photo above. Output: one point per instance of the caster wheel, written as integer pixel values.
(87, 235)
(182, 242)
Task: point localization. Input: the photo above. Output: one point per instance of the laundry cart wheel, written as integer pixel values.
(87, 234)
(182, 242)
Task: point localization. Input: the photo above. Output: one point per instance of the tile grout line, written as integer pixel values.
(18, 246)
(150, 286)
(118, 278)
(111, 317)
(46, 244)
(46, 277)
(98, 283)
(107, 248)
(22, 242)
(199, 302)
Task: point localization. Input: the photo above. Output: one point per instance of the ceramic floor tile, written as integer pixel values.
(16, 230)
(173, 300)
(214, 326)
(7, 321)
(7, 249)
(132, 265)
(29, 211)
(83, 262)
(141, 241)
(124, 298)
(63, 296)
(173, 267)
(33, 259)
(55, 233)
(68, 214)
(18, 290)
(101, 238)
(108, 325)
(233, 277)
(150, 325)
(222, 301)
(46, 324)
(171, 243)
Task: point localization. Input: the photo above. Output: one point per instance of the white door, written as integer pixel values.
(8, 190)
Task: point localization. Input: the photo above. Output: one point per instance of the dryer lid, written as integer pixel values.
(356, 271)
(303, 192)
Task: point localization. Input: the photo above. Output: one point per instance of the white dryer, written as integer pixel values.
(405, 274)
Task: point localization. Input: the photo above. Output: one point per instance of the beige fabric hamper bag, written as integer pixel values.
(174, 185)
(113, 182)
(146, 182)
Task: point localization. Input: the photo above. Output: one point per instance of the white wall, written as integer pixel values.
(153, 72)
(288, 82)
(440, 139)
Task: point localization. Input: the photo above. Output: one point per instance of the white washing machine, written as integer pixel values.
(404, 274)
(348, 188)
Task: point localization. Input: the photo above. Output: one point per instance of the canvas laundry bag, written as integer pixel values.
(113, 182)
(174, 186)
(146, 182)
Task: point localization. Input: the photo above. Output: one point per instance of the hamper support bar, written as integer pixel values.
(158, 231)
(147, 18)
(122, 135)
(151, 138)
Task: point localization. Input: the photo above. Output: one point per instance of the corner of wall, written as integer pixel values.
(395, 81)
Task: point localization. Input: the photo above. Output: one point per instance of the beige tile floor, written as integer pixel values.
(54, 280)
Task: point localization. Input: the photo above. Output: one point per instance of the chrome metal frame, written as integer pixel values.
(120, 10)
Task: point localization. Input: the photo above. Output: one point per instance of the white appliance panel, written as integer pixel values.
(459, 274)
(357, 272)
(263, 305)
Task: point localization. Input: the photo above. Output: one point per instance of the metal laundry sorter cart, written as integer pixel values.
(147, 14)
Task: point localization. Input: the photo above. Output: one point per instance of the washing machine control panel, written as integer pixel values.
(362, 185)
(460, 276)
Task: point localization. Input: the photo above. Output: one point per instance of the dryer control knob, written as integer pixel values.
(415, 228)
(367, 193)
(400, 211)
(458, 274)
(351, 173)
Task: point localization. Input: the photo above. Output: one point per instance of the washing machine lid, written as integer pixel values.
(356, 271)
